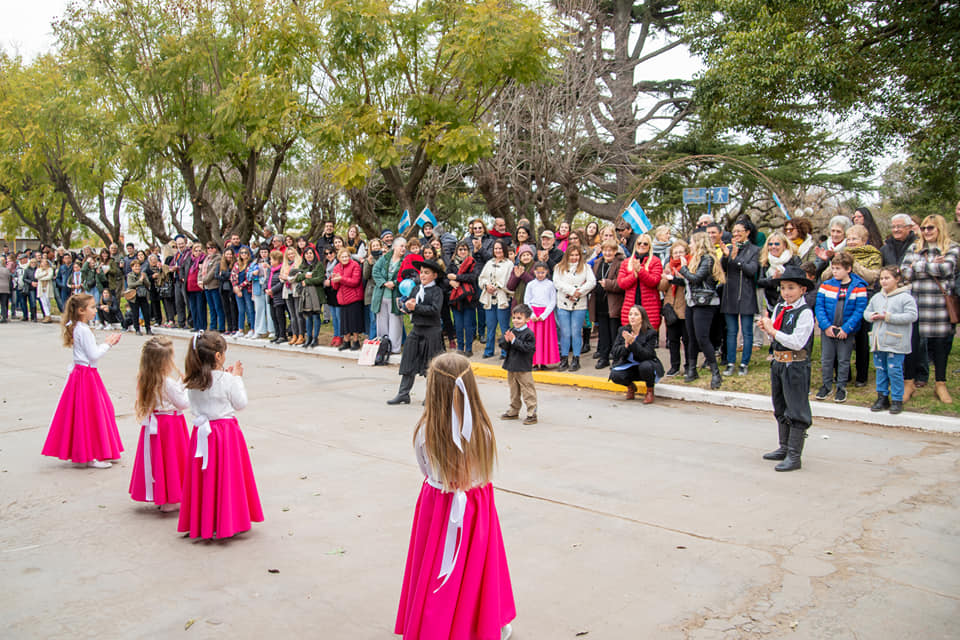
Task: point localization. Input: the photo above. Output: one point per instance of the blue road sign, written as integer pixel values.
(697, 195)
(719, 195)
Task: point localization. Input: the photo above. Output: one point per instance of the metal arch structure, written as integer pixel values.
(703, 159)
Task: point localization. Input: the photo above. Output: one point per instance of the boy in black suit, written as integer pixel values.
(519, 344)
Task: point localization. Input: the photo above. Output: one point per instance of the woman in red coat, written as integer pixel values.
(347, 281)
(639, 278)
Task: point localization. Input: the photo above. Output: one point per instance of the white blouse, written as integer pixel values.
(225, 396)
(86, 351)
(496, 274)
(541, 293)
(570, 282)
(173, 397)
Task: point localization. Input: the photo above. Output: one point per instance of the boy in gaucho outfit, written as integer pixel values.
(426, 339)
(791, 330)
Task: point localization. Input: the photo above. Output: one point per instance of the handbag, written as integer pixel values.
(669, 314)
(702, 297)
(130, 295)
(368, 353)
(952, 301)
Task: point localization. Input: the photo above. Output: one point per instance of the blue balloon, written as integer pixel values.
(406, 287)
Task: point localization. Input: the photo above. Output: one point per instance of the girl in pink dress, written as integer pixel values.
(220, 496)
(541, 296)
(456, 585)
(162, 450)
(84, 427)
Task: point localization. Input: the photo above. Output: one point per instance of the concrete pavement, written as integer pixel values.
(620, 521)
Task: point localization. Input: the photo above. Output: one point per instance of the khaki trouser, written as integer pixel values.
(521, 384)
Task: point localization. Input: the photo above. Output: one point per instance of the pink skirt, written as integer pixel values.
(221, 500)
(548, 343)
(84, 426)
(168, 461)
(477, 599)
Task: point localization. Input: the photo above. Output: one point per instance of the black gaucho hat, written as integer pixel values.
(796, 274)
(433, 266)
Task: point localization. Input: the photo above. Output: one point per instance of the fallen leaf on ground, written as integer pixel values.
(189, 623)
(273, 570)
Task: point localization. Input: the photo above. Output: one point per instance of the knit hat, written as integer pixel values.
(526, 248)
(385, 233)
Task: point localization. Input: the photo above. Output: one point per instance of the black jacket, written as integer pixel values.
(770, 287)
(893, 251)
(427, 312)
(701, 281)
(643, 348)
(520, 351)
(740, 291)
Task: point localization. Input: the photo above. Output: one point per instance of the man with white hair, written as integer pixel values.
(900, 240)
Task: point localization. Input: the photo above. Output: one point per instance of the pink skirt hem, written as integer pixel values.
(168, 461)
(477, 598)
(548, 342)
(221, 500)
(84, 426)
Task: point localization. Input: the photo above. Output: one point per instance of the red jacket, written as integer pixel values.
(649, 280)
(350, 287)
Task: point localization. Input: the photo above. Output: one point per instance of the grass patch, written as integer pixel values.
(758, 381)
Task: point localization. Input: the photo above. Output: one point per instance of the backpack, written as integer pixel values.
(383, 353)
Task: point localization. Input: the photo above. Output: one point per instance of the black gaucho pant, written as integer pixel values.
(645, 372)
(790, 390)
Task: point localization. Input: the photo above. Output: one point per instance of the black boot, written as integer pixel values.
(585, 333)
(896, 406)
(784, 431)
(564, 364)
(575, 363)
(691, 373)
(882, 403)
(794, 449)
(716, 379)
(399, 399)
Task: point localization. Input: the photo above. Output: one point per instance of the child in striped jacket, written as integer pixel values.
(841, 301)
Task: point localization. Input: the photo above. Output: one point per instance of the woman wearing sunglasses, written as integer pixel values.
(930, 267)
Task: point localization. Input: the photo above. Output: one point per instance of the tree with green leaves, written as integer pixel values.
(406, 86)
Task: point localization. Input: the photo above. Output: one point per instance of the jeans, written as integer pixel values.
(229, 302)
(746, 328)
(262, 314)
(218, 321)
(835, 348)
(481, 324)
(32, 303)
(571, 338)
(463, 326)
(198, 309)
(889, 374)
(95, 293)
(371, 321)
(245, 310)
(335, 319)
(494, 317)
(312, 321)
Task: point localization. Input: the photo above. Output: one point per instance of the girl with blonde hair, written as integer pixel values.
(162, 449)
(702, 272)
(467, 594)
(84, 427)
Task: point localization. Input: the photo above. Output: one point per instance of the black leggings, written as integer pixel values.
(229, 308)
(677, 334)
(939, 349)
(606, 331)
(699, 321)
(279, 320)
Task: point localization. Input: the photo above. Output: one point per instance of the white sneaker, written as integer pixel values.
(97, 464)
(506, 631)
(251, 335)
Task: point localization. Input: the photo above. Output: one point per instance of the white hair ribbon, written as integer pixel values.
(467, 427)
(451, 546)
(69, 322)
(149, 429)
(202, 423)
(195, 336)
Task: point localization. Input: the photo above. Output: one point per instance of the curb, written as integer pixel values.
(558, 378)
(328, 352)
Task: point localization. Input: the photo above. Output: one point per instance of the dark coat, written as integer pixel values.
(740, 290)
(520, 351)
(467, 277)
(643, 348)
(893, 251)
(426, 339)
(613, 292)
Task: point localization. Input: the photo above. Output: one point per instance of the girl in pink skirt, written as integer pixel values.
(541, 296)
(84, 427)
(162, 450)
(220, 496)
(456, 585)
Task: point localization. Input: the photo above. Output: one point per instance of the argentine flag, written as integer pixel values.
(404, 221)
(638, 220)
(426, 216)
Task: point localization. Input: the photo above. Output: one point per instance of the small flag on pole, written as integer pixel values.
(638, 220)
(404, 221)
(426, 216)
(783, 209)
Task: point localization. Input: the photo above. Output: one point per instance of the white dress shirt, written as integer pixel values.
(86, 351)
(225, 396)
(541, 293)
(801, 332)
